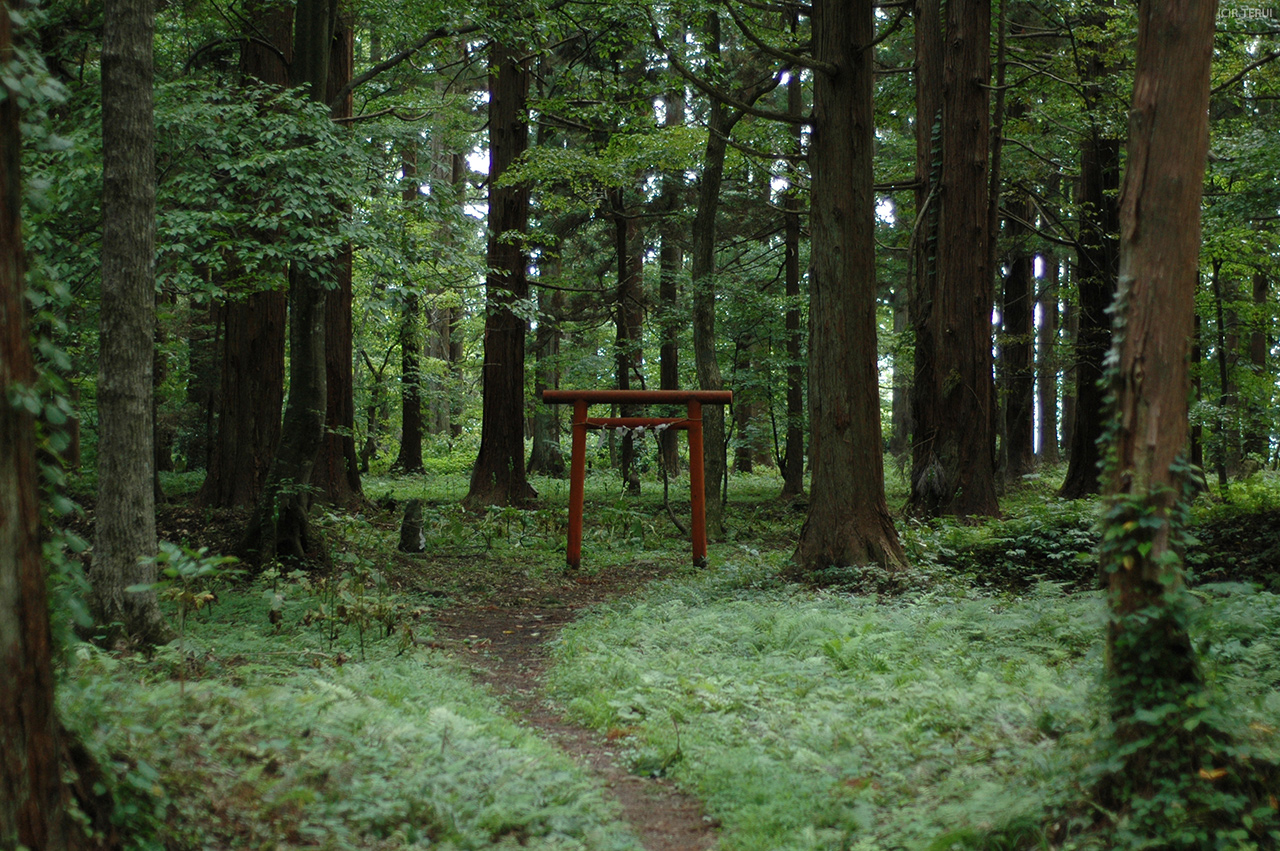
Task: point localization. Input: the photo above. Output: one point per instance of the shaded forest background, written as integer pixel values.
(637, 274)
(275, 249)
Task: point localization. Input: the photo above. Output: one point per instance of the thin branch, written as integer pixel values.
(1244, 71)
(391, 110)
(210, 45)
(789, 58)
(394, 60)
(893, 27)
(898, 186)
(724, 97)
(765, 155)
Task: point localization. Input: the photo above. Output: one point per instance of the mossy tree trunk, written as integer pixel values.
(1150, 660)
(31, 810)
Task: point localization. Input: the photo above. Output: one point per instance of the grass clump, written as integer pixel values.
(280, 742)
(821, 721)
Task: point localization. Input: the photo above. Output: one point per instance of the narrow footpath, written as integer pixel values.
(506, 646)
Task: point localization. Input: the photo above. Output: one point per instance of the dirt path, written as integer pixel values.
(506, 646)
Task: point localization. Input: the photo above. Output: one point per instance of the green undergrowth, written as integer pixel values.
(939, 720)
(281, 738)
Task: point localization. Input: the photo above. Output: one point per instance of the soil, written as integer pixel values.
(505, 643)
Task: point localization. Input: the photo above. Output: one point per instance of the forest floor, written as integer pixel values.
(505, 643)
(499, 620)
(492, 592)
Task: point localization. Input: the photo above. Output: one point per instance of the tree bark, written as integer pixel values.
(792, 462)
(409, 459)
(250, 351)
(1098, 259)
(629, 324)
(498, 477)
(670, 263)
(848, 521)
(702, 270)
(31, 806)
(125, 517)
(280, 527)
(337, 473)
(248, 403)
(953, 445)
(1150, 658)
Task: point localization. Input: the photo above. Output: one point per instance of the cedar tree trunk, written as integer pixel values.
(1098, 258)
(251, 343)
(280, 526)
(1150, 658)
(125, 515)
(1017, 351)
(629, 324)
(792, 462)
(409, 459)
(670, 262)
(498, 477)
(31, 808)
(848, 521)
(337, 472)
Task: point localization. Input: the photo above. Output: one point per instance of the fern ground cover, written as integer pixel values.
(961, 710)
(826, 721)
(285, 741)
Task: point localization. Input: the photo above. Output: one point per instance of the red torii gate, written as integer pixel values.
(582, 399)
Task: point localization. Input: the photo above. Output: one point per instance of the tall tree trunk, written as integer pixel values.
(1046, 360)
(280, 526)
(953, 451)
(251, 329)
(439, 317)
(546, 457)
(457, 314)
(792, 462)
(1098, 263)
(499, 474)
(337, 473)
(409, 460)
(670, 263)
(1151, 662)
(247, 429)
(1258, 422)
(848, 521)
(31, 805)
(1017, 353)
(629, 323)
(125, 515)
(702, 270)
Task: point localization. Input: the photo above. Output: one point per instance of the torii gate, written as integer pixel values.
(583, 399)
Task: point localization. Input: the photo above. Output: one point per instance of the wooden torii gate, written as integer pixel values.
(583, 399)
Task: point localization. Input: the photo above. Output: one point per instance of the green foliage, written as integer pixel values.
(831, 722)
(281, 743)
(940, 721)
